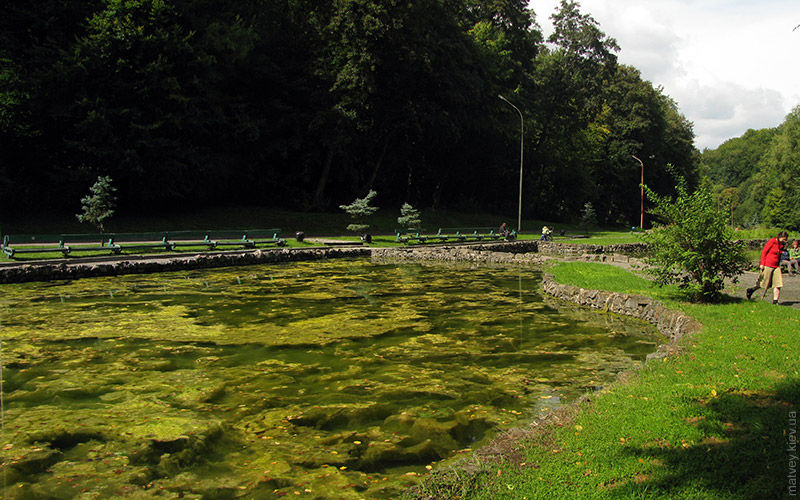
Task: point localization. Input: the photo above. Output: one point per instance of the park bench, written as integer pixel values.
(118, 242)
(409, 236)
(471, 233)
(189, 239)
(14, 244)
(444, 235)
(249, 238)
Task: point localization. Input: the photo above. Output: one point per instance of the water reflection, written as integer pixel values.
(339, 379)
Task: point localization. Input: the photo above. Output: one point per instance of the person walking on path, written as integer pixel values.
(770, 275)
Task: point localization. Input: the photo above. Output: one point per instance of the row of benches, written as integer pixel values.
(444, 235)
(116, 242)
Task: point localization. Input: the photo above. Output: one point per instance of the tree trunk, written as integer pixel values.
(378, 164)
(323, 179)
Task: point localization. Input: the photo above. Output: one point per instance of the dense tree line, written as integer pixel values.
(308, 104)
(757, 175)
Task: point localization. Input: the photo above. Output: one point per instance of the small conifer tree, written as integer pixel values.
(409, 217)
(358, 210)
(588, 216)
(98, 205)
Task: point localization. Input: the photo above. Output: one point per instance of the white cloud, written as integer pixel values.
(729, 64)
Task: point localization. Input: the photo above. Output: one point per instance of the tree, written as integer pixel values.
(693, 244)
(409, 217)
(358, 210)
(98, 205)
(588, 216)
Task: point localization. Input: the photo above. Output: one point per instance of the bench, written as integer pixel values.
(14, 244)
(117, 242)
(128, 241)
(409, 236)
(444, 235)
(249, 238)
(189, 239)
(473, 233)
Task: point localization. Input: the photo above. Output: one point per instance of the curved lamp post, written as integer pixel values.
(641, 184)
(521, 150)
(641, 209)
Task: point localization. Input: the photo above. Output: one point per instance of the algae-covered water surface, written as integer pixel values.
(340, 379)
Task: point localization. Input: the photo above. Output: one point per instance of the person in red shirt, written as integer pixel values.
(770, 267)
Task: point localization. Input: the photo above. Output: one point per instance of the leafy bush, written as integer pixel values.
(693, 246)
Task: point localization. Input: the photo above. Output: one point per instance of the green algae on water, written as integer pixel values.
(336, 379)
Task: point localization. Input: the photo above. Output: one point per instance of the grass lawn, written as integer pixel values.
(313, 224)
(714, 422)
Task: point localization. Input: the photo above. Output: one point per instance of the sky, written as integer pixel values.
(731, 65)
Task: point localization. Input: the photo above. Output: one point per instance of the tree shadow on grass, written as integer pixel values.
(746, 452)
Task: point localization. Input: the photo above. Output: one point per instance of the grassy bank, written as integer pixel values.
(713, 422)
(313, 224)
(244, 217)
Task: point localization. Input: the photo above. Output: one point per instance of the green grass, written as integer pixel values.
(249, 217)
(313, 224)
(711, 422)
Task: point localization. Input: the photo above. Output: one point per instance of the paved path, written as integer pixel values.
(790, 293)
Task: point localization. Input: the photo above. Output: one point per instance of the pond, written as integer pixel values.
(336, 379)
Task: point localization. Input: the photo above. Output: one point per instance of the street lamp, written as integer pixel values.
(521, 150)
(641, 184)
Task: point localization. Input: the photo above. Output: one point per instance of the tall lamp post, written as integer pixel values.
(521, 150)
(641, 184)
(641, 210)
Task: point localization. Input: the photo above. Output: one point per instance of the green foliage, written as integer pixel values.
(359, 209)
(764, 166)
(307, 105)
(693, 244)
(588, 216)
(99, 204)
(776, 209)
(409, 217)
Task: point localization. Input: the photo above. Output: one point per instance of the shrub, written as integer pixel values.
(693, 244)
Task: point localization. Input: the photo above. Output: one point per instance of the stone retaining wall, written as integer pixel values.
(512, 252)
(142, 265)
(521, 251)
(576, 249)
(674, 325)
(517, 251)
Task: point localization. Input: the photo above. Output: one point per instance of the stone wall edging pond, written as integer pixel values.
(60, 271)
(520, 251)
(480, 252)
(674, 325)
(557, 249)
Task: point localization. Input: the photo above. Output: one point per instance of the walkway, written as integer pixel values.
(790, 293)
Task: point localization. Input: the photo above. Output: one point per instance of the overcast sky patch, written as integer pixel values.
(731, 65)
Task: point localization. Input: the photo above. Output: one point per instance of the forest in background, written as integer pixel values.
(757, 175)
(307, 104)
